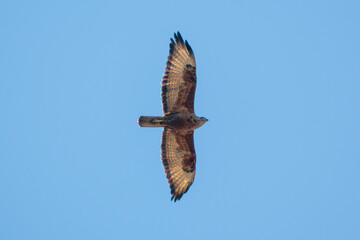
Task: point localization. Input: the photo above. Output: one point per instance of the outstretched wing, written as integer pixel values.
(179, 81)
(178, 157)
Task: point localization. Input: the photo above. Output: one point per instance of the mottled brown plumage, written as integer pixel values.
(179, 120)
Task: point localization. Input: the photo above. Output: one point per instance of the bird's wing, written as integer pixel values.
(179, 81)
(179, 158)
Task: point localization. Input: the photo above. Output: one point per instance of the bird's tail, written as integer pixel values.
(151, 121)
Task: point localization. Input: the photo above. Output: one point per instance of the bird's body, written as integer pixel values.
(179, 120)
(175, 121)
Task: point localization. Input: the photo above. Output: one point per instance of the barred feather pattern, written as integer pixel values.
(179, 159)
(179, 80)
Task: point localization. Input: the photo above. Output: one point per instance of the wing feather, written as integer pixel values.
(179, 159)
(179, 80)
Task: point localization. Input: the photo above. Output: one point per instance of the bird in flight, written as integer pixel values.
(179, 120)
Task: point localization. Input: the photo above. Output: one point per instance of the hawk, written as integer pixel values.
(179, 120)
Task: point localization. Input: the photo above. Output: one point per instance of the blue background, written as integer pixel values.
(278, 81)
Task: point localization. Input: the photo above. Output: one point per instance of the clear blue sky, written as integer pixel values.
(279, 82)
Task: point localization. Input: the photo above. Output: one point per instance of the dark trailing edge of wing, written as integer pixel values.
(163, 94)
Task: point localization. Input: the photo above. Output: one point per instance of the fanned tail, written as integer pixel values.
(151, 121)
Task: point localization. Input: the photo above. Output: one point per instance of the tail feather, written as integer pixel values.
(151, 121)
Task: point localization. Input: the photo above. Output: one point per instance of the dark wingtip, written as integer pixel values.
(177, 35)
(188, 47)
(178, 38)
(176, 197)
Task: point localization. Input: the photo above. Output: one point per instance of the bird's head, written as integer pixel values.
(203, 120)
